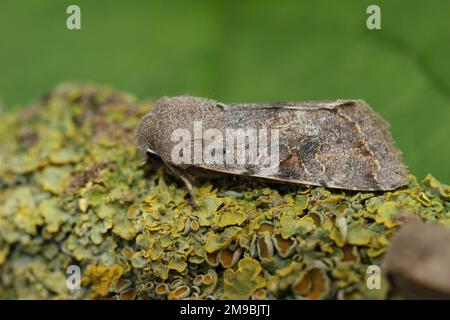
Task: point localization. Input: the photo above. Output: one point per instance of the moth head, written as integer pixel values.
(145, 135)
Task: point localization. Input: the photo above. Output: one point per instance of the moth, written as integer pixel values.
(338, 144)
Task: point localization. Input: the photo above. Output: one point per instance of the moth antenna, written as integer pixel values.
(151, 151)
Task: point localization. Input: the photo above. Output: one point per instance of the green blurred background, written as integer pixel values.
(237, 51)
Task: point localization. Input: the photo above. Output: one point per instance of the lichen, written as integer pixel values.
(242, 283)
(74, 191)
(100, 278)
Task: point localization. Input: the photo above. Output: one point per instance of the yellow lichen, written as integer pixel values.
(100, 278)
(242, 283)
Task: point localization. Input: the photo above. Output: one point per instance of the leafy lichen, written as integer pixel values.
(73, 190)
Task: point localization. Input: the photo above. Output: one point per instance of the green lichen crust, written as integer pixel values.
(74, 191)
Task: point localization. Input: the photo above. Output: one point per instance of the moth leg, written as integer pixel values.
(190, 190)
(187, 182)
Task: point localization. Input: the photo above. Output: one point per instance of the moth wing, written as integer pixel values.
(340, 144)
(303, 105)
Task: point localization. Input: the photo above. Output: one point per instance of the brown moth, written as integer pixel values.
(339, 144)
